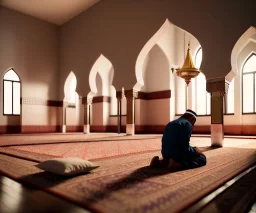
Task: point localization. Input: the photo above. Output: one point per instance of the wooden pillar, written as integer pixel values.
(218, 88)
(130, 116)
(87, 102)
(119, 111)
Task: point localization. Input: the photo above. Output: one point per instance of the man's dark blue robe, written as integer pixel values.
(175, 144)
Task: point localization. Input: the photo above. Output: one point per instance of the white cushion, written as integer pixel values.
(67, 166)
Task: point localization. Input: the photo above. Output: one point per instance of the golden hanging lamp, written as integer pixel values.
(188, 69)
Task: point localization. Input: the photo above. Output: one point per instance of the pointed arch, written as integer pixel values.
(70, 88)
(240, 52)
(106, 71)
(249, 64)
(11, 93)
(240, 44)
(11, 75)
(156, 66)
(249, 84)
(144, 52)
(166, 28)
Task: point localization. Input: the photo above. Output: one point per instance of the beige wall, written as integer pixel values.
(43, 57)
(113, 121)
(31, 48)
(101, 114)
(40, 115)
(141, 112)
(158, 112)
(97, 114)
(120, 32)
(152, 112)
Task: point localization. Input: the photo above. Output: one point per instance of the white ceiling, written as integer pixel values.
(54, 11)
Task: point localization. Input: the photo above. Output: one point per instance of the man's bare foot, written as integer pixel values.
(174, 166)
(154, 162)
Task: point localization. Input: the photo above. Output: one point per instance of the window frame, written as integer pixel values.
(12, 81)
(254, 78)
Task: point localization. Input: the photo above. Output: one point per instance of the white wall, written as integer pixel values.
(157, 72)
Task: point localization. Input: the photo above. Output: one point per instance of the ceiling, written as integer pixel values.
(54, 11)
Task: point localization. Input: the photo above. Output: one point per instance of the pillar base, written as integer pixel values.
(86, 128)
(217, 135)
(63, 129)
(130, 129)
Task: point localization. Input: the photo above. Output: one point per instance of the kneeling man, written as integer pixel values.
(176, 150)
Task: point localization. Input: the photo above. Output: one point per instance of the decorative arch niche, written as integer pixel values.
(139, 66)
(172, 42)
(70, 94)
(100, 82)
(160, 38)
(156, 74)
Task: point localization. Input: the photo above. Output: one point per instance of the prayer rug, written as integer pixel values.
(126, 183)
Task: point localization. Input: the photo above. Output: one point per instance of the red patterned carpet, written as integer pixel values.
(94, 148)
(89, 149)
(127, 184)
(10, 140)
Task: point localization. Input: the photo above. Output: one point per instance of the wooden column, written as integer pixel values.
(218, 88)
(130, 117)
(87, 102)
(119, 111)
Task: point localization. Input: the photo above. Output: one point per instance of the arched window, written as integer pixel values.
(11, 93)
(248, 84)
(202, 103)
(229, 101)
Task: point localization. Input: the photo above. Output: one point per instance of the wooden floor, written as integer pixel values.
(17, 198)
(237, 196)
